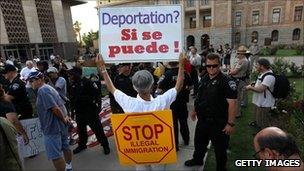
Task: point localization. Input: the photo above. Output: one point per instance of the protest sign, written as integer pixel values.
(144, 138)
(140, 34)
(33, 129)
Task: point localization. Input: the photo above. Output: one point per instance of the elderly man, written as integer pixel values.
(255, 50)
(29, 67)
(240, 72)
(143, 83)
(274, 144)
(54, 120)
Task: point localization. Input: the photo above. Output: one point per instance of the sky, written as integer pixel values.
(86, 14)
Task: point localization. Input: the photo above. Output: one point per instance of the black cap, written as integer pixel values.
(75, 71)
(124, 64)
(9, 68)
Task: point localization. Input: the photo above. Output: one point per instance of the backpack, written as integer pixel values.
(281, 86)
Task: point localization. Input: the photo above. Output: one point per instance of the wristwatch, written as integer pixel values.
(230, 124)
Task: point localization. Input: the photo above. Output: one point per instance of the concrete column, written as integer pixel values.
(197, 14)
(2, 51)
(37, 50)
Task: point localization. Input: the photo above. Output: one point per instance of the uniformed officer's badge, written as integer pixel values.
(15, 86)
(214, 82)
(232, 85)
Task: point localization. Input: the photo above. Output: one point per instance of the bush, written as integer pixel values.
(280, 66)
(300, 49)
(273, 50)
(296, 70)
(281, 46)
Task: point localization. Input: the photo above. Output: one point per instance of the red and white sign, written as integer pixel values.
(140, 34)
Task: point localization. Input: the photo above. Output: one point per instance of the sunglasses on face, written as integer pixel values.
(212, 66)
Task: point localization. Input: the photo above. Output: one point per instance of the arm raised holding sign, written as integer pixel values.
(102, 70)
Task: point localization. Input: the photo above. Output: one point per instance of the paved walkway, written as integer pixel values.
(94, 159)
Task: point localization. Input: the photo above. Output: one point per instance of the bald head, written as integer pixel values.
(274, 138)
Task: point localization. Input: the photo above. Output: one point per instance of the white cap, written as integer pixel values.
(52, 69)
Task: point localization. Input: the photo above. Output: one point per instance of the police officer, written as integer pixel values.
(122, 82)
(16, 93)
(240, 72)
(179, 106)
(84, 96)
(215, 107)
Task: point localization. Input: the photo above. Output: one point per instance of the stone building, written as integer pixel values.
(234, 21)
(40, 28)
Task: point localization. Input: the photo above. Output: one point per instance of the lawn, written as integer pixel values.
(286, 52)
(241, 142)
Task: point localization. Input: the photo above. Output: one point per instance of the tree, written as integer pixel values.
(89, 37)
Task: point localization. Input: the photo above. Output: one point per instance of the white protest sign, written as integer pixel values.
(140, 34)
(34, 132)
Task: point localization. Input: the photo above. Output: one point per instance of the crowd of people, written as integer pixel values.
(60, 94)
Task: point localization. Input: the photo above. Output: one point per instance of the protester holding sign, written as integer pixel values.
(142, 82)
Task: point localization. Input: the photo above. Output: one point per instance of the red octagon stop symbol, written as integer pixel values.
(144, 138)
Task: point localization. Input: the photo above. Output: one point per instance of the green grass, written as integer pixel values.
(286, 52)
(241, 142)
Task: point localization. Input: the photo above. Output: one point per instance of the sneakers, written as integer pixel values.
(68, 167)
(106, 150)
(193, 162)
(79, 149)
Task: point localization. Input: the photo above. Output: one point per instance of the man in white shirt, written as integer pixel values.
(196, 62)
(24, 73)
(255, 51)
(262, 98)
(143, 83)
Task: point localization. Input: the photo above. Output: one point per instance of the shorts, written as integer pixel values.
(55, 144)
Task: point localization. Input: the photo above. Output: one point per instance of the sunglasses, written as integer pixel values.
(32, 80)
(212, 66)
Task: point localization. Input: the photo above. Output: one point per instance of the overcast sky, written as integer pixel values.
(86, 14)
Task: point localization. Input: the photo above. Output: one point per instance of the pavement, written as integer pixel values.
(94, 159)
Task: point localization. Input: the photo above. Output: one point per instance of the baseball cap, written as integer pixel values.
(52, 69)
(9, 68)
(34, 75)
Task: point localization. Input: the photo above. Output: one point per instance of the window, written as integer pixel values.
(204, 2)
(298, 13)
(192, 22)
(238, 1)
(207, 21)
(238, 16)
(254, 36)
(296, 34)
(275, 35)
(237, 38)
(190, 3)
(255, 17)
(174, 2)
(276, 15)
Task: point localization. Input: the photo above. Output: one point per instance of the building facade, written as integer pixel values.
(39, 28)
(234, 22)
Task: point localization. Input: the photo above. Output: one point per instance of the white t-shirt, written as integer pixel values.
(131, 104)
(258, 98)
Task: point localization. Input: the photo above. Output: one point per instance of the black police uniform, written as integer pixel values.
(124, 84)
(211, 107)
(84, 96)
(179, 106)
(21, 101)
